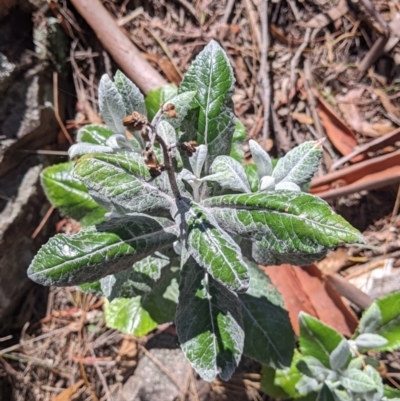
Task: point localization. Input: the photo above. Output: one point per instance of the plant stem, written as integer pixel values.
(167, 163)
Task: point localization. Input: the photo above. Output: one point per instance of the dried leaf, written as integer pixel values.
(303, 289)
(303, 118)
(341, 136)
(348, 106)
(129, 348)
(391, 109)
(67, 394)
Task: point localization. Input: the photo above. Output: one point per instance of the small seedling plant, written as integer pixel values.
(328, 367)
(175, 225)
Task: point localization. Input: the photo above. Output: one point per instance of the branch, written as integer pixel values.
(167, 162)
(122, 50)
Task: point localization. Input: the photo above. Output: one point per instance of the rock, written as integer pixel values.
(19, 217)
(151, 383)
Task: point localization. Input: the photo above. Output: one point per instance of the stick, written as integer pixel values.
(292, 82)
(56, 109)
(349, 291)
(263, 70)
(122, 50)
(228, 10)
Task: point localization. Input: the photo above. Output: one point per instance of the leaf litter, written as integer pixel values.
(354, 53)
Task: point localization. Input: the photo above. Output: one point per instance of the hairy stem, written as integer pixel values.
(167, 163)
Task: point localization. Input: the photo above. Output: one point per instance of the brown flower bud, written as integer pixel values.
(135, 121)
(169, 110)
(188, 147)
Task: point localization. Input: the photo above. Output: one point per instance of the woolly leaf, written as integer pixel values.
(211, 247)
(269, 337)
(287, 223)
(119, 183)
(100, 250)
(111, 105)
(212, 77)
(69, 195)
(131, 96)
(209, 323)
(300, 164)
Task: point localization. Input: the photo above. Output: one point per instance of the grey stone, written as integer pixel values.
(151, 383)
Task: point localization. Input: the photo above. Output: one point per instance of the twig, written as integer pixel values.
(253, 22)
(43, 222)
(311, 99)
(131, 16)
(263, 70)
(373, 54)
(349, 291)
(123, 51)
(283, 142)
(372, 10)
(166, 51)
(293, 73)
(396, 206)
(190, 8)
(101, 377)
(86, 380)
(228, 11)
(56, 110)
(29, 342)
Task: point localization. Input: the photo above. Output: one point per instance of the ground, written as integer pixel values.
(304, 70)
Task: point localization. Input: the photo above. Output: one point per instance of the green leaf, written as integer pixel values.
(131, 96)
(239, 135)
(156, 97)
(325, 394)
(69, 195)
(211, 247)
(388, 325)
(229, 174)
(182, 105)
(370, 340)
(269, 337)
(376, 377)
(288, 223)
(307, 385)
(357, 381)
(211, 76)
(341, 395)
(300, 164)
(209, 323)
(139, 315)
(140, 278)
(264, 255)
(340, 356)
(96, 134)
(92, 288)
(261, 159)
(370, 320)
(252, 177)
(197, 160)
(289, 377)
(111, 285)
(390, 392)
(268, 386)
(312, 367)
(119, 183)
(101, 250)
(111, 105)
(316, 339)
